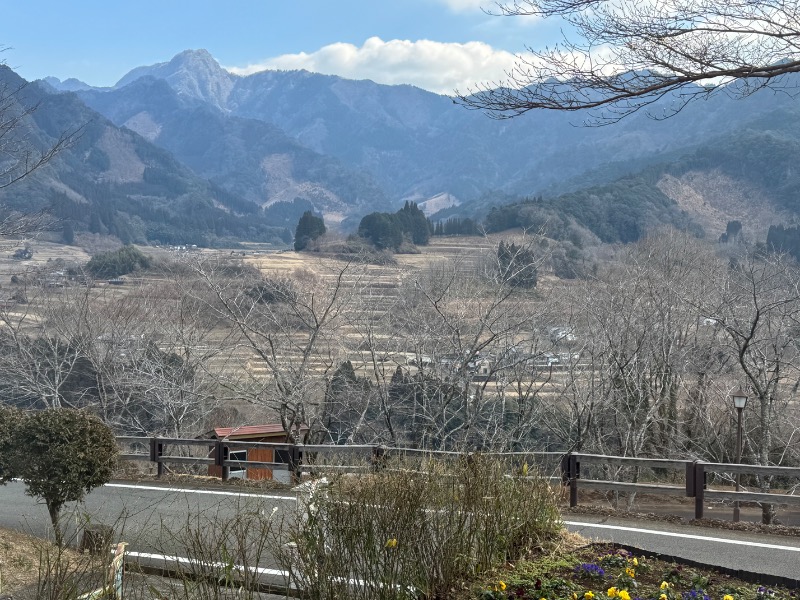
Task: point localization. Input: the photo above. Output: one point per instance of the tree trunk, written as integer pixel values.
(54, 509)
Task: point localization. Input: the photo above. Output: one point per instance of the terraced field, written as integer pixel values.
(375, 289)
(43, 253)
(378, 290)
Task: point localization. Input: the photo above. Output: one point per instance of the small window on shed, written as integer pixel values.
(239, 472)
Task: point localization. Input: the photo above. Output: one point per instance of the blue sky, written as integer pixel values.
(435, 44)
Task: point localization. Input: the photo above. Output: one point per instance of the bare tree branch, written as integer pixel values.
(619, 57)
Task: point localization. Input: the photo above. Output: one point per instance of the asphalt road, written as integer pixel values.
(741, 551)
(141, 514)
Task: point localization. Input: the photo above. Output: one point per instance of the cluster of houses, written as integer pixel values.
(488, 366)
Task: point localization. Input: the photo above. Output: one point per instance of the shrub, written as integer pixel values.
(61, 454)
(9, 421)
(417, 529)
(224, 547)
(274, 291)
(115, 264)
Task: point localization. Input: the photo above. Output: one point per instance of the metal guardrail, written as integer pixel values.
(299, 459)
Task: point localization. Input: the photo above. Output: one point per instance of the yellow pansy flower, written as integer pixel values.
(391, 543)
(662, 597)
(664, 585)
(727, 597)
(589, 595)
(630, 572)
(612, 592)
(624, 595)
(501, 585)
(635, 562)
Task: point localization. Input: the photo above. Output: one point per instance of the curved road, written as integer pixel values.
(140, 512)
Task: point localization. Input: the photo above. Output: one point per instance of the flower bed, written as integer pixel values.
(600, 572)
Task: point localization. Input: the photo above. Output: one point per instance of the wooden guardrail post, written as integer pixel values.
(575, 471)
(378, 453)
(569, 470)
(690, 468)
(699, 486)
(220, 456)
(565, 470)
(294, 463)
(156, 452)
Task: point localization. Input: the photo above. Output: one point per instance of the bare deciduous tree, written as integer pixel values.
(292, 330)
(757, 309)
(622, 56)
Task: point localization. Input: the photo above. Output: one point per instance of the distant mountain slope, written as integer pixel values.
(68, 85)
(749, 176)
(418, 144)
(112, 180)
(293, 141)
(250, 158)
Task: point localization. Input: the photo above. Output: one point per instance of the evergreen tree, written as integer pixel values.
(382, 230)
(309, 228)
(398, 386)
(117, 263)
(784, 239)
(517, 265)
(94, 223)
(414, 223)
(343, 400)
(68, 234)
(386, 230)
(733, 229)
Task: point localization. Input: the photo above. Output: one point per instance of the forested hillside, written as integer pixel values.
(416, 145)
(760, 162)
(113, 181)
(248, 157)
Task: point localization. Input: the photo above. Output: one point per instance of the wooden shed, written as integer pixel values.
(270, 433)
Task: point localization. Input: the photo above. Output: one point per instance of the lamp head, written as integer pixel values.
(739, 398)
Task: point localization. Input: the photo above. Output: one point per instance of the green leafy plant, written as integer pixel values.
(61, 454)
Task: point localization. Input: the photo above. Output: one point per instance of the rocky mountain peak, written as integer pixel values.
(193, 73)
(68, 85)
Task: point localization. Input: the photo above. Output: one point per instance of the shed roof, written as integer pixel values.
(249, 431)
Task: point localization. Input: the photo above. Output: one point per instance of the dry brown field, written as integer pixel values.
(378, 288)
(43, 253)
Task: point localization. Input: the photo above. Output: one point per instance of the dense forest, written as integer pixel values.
(390, 230)
(625, 209)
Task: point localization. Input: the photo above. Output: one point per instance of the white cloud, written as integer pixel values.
(468, 5)
(435, 66)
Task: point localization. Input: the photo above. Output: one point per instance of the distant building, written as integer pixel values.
(564, 334)
(270, 433)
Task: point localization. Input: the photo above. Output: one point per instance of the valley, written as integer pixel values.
(594, 310)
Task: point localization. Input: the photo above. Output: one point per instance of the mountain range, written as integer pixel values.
(276, 143)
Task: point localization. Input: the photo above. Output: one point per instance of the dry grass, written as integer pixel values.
(26, 562)
(42, 253)
(19, 561)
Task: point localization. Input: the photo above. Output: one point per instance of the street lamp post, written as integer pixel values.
(739, 402)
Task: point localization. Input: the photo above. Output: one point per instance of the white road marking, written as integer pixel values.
(184, 560)
(687, 536)
(259, 570)
(196, 491)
